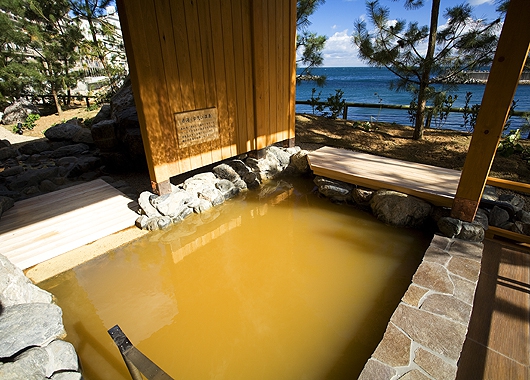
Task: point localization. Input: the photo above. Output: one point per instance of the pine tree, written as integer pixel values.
(463, 43)
(54, 40)
(309, 45)
(18, 75)
(93, 11)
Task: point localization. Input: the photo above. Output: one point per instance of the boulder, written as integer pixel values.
(123, 107)
(362, 197)
(515, 201)
(449, 227)
(27, 325)
(399, 209)
(70, 150)
(32, 177)
(62, 132)
(471, 232)
(83, 165)
(228, 189)
(144, 201)
(523, 216)
(455, 228)
(103, 114)
(335, 190)
(84, 135)
(267, 167)
(29, 365)
(5, 204)
(281, 156)
(9, 172)
(226, 172)
(299, 162)
(212, 195)
(498, 216)
(15, 288)
(246, 173)
(62, 357)
(104, 134)
(19, 111)
(172, 204)
(7, 152)
(35, 147)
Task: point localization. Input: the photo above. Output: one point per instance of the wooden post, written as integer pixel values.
(345, 113)
(506, 69)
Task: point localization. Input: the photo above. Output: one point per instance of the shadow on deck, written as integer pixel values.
(498, 341)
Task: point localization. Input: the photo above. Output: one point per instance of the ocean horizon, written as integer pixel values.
(372, 85)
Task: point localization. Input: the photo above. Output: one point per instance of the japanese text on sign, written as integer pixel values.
(195, 127)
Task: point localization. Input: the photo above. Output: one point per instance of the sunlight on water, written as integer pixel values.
(282, 286)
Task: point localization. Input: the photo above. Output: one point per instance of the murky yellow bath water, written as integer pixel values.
(274, 285)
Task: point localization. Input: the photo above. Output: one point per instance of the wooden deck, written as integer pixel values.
(40, 228)
(434, 184)
(497, 345)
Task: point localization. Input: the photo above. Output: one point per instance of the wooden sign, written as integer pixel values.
(195, 127)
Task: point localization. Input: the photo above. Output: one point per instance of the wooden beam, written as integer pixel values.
(507, 184)
(508, 63)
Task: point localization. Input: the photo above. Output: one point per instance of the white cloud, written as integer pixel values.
(340, 51)
(479, 2)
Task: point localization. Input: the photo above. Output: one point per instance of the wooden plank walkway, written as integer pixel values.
(497, 345)
(434, 184)
(40, 228)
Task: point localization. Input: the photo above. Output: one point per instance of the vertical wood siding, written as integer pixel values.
(234, 55)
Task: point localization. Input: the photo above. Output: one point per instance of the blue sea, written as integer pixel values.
(371, 85)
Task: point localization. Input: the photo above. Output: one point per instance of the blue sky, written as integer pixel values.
(336, 17)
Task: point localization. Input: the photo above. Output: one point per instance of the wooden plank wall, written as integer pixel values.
(234, 55)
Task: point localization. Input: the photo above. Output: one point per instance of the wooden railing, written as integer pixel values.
(64, 98)
(348, 105)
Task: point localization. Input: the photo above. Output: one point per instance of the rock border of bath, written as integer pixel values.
(205, 190)
(31, 343)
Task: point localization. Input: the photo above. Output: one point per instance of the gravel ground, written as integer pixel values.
(12, 137)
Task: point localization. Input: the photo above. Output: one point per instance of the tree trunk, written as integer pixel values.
(57, 103)
(99, 52)
(426, 73)
(420, 113)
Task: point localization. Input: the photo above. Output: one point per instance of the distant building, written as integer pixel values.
(95, 76)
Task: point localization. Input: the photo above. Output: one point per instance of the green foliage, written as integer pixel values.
(365, 126)
(18, 74)
(470, 113)
(334, 103)
(30, 121)
(510, 145)
(441, 108)
(93, 107)
(461, 44)
(28, 124)
(43, 49)
(315, 100)
(309, 45)
(412, 110)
